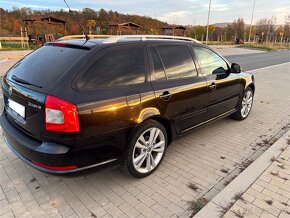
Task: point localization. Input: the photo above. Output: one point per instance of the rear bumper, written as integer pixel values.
(50, 157)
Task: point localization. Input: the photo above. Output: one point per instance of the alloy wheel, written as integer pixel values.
(148, 150)
(247, 104)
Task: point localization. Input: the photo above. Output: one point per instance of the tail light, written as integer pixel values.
(60, 115)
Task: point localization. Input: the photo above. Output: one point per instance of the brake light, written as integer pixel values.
(61, 115)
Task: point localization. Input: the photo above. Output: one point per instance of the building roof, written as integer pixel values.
(126, 24)
(44, 19)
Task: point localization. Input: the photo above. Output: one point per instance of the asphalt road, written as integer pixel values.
(259, 60)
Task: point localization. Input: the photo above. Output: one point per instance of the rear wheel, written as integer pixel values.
(146, 149)
(245, 105)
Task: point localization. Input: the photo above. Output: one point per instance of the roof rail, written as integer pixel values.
(115, 39)
(69, 37)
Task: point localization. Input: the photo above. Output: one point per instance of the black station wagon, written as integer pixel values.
(76, 104)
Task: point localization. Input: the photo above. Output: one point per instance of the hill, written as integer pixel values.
(11, 21)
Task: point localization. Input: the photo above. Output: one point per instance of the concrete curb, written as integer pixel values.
(244, 180)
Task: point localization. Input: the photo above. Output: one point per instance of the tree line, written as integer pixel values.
(11, 21)
(264, 30)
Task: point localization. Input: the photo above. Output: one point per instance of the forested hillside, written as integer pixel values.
(11, 21)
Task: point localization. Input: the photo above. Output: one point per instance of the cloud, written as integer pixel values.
(172, 17)
(172, 11)
(20, 4)
(219, 7)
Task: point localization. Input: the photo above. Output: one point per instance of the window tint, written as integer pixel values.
(46, 65)
(158, 71)
(177, 61)
(115, 68)
(210, 61)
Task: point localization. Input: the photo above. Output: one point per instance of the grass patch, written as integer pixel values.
(238, 213)
(10, 46)
(197, 205)
(225, 170)
(238, 196)
(285, 178)
(193, 186)
(220, 43)
(273, 159)
(274, 174)
(267, 47)
(225, 208)
(228, 181)
(282, 166)
(245, 164)
(269, 202)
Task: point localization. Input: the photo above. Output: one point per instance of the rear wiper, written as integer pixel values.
(17, 79)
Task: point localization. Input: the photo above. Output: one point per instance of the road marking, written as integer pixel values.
(2, 61)
(263, 68)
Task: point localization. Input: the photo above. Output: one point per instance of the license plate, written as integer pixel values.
(16, 107)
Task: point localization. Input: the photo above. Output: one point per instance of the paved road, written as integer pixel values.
(259, 60)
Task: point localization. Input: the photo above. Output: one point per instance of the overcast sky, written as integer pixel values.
(172, 11)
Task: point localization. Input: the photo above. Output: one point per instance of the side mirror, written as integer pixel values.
(235, 68)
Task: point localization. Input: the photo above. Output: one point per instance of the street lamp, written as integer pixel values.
(250, 32)
(207, 22)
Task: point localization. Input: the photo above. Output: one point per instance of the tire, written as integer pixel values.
(245, 105)
(141, 158)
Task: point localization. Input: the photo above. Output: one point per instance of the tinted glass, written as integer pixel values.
(177, 61)
(44, 66)
(115, 68)
(210, 61)
(158, 70)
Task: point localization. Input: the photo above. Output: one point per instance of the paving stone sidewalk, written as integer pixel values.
(204, 158)
(269, 195)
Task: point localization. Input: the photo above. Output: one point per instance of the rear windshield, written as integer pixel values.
(46, 65)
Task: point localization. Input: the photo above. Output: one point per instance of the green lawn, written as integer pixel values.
(220, 43)
(267, 47)
(10, 46)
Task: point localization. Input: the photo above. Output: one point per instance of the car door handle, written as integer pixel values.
(212, 86)
(165, 96)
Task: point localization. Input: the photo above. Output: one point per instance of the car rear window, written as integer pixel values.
(46, 65)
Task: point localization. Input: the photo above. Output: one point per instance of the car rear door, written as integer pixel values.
(113, 89)
(224, 87)
(179, 90)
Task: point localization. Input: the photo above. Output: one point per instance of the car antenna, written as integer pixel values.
(83, 29)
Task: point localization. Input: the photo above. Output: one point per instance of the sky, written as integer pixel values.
(182, 12)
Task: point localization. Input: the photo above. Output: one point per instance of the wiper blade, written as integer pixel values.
(17, 79)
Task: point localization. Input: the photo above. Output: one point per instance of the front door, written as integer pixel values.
(224, 87)
(180, 92)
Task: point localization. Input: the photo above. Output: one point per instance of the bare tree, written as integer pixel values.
(265, 28)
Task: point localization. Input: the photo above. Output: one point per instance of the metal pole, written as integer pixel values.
(250, 32)
(207, 22)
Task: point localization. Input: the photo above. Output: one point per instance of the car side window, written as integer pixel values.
(177, 61)
(211, 63)
(158, 70)
(115, 68)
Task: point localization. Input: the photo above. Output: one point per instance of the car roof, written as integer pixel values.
(91, 43)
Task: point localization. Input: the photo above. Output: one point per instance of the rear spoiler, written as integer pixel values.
(67, 45)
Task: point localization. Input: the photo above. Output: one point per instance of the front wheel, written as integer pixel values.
(245, 105)
(146, 149)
